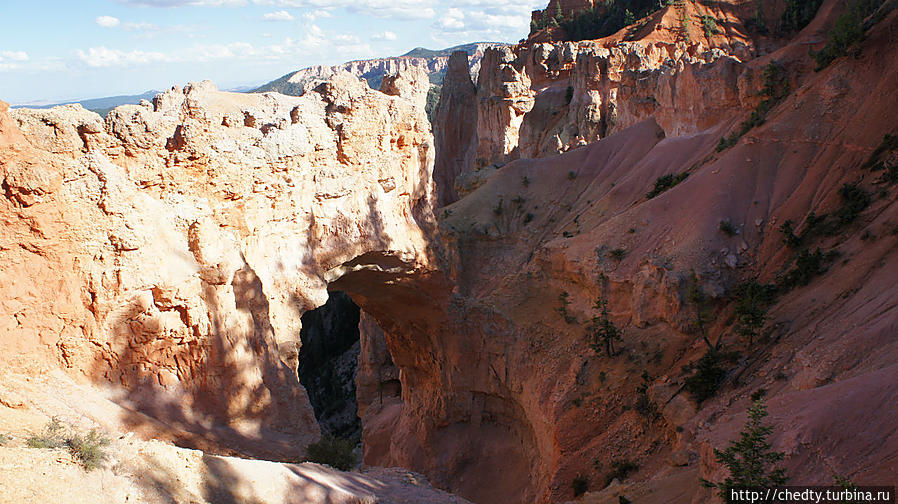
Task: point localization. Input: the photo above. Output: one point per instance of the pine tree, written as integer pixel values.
(703, 312)
(751, 460)
(602, 330)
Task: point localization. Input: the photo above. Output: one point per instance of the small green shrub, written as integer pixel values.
(333, 451)
(53, 436)
(88, 449)
(707, 378)
(709, 25)
(565, 299)
(644, 406)
(752, 301)
(789, 237)
(571, 175)
(854, 201)
(618, 254)
(580, 485)
(620, 469)
(525, 181)
(726, 227)
(4, 438)
(807, 266)
(844, 482)
(528, 218)
(704, 313)
(665, 182)
(684, 28)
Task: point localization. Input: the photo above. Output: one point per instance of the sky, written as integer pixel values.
(77, 49)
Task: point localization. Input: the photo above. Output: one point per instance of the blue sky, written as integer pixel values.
(60, 50)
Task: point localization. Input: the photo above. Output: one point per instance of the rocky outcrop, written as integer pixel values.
(550, 98)
(179, 242)
(567, 8)
(454, 128)
(9, 134)
(542, 98)
(412, 84)
(504, 96)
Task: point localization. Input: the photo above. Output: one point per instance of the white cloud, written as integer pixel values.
(108, 21)
(280, 15)
(10, 60)
(386, 35)
(13, 56)
(312, 16)
(466, 20)
(142, 26)
(345, 39)
(393, 9)
(313, 36)
(452, 20)
(104, 57)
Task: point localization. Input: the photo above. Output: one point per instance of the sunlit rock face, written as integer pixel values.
(172, 248)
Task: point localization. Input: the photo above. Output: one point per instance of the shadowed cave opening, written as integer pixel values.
(328, 363)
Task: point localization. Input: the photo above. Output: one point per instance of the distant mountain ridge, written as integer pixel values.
(102, 105)
(471, 49)
(373, 71)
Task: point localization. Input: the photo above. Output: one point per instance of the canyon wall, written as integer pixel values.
(502, 382)
(542, 98)
(173, 249)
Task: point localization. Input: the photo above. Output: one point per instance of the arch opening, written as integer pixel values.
(328, 364)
